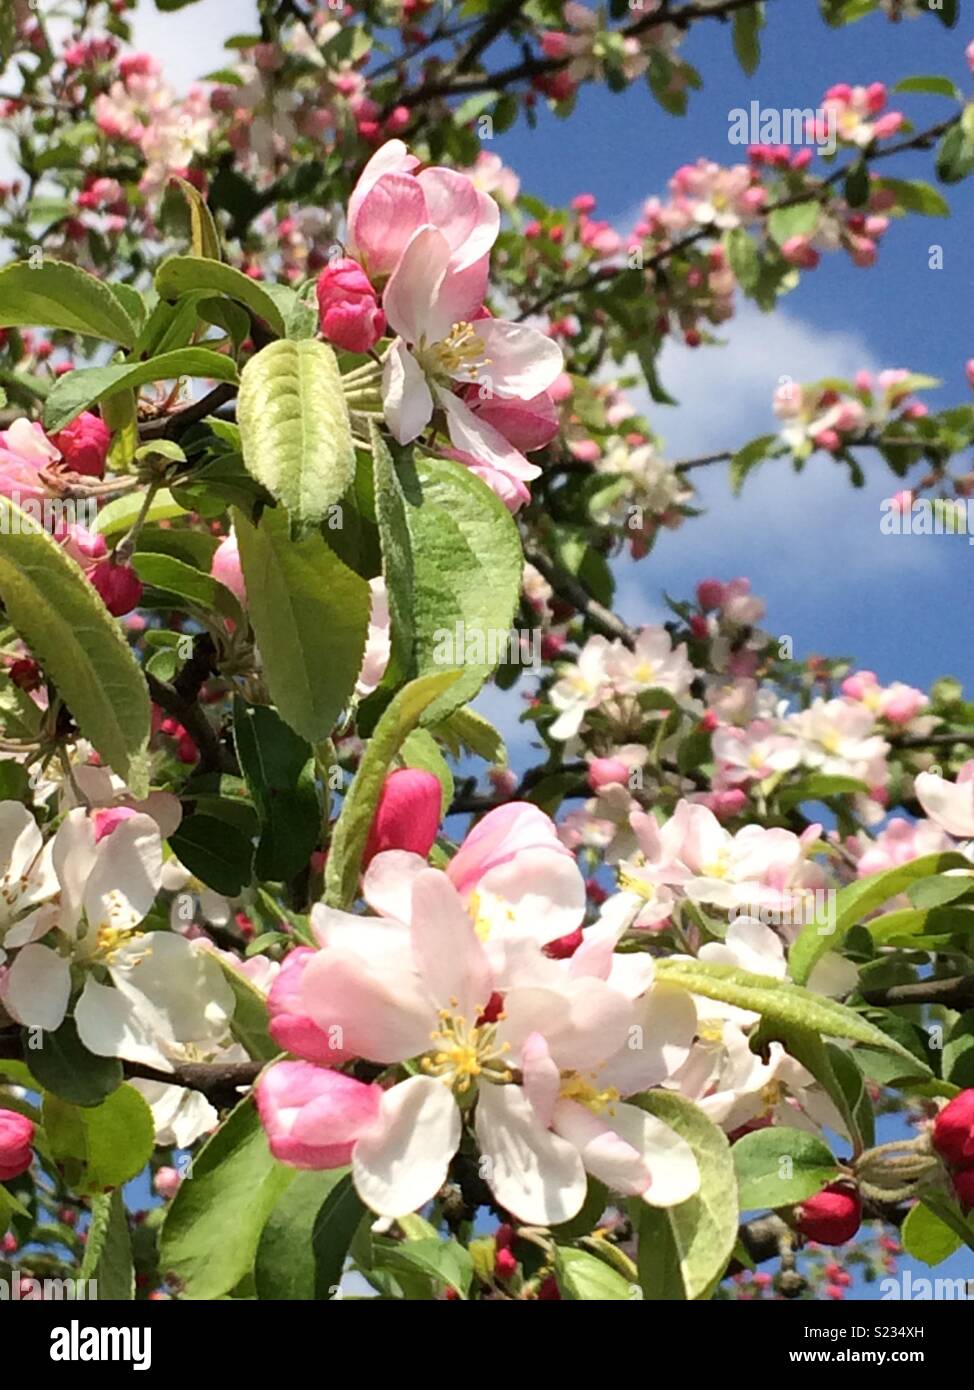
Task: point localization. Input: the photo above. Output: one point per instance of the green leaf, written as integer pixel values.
(217, 853)
(467, 728)
(57, 295)
(938, 86)
(452, 562)
(955, 158)
(63, 1065)
(285, 1264)
(183, 274)
(684, 1250)
(445, 1261)
(582, 1276)
(310, 613)
(779, 1166)
(213, 1227)
(336, 1223)
(799, 220)
(294, 427)
(778, 1000)
(742, 254)
(747, 459)
(278, 767)
(185, 582)
(352, 827)
(79, 644)
(84, 387)
(926, 1237)
(935, 892)
(817, 786)
(914, 196)
(958, 1062)
(100, 1147)
(204, 235)
(855, 902)
(747, 26)
(108, 1249)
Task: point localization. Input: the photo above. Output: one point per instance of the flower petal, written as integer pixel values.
(403, 1162)
(534, 1174)
(523, 362)
(38, 987)
(406, 397)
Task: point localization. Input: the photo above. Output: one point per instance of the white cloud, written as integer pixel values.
(802, 538)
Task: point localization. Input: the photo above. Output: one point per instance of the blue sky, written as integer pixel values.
(810, 544)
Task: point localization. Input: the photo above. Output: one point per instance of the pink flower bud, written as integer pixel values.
(290, 1026)
(107, 819)
(797, 250)
(969, 55)
(606, 772)
(119, 586)
(964, 1181)
(554, 44)
(408, 814)
(313, 1116)
(84, 444)
(969, 364)
(710, 594)
(225, 567)
(166, 1182)
(348, 309)
(16, 1137)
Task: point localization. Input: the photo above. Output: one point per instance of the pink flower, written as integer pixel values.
(408, 814)
(441, 340)
(119, 586)
(391, 202)
(16, 1137)
(605, 772)
(84, 444)
(949, 804)
(313, 1117)
(225, 568)
(290, 1026)
(25, 451)
(167, 1182)
(348, 309)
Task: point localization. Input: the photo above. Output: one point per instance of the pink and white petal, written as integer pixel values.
(112, 1025)
(659, 1042)
(383, 1012)
(448, 953)
(183, 984)
(584, 1022)
(675, 1176)
(74, 854)
(534, 1174)
(376, 938)
(605, 1154)
(949, 804)
(391, 158)
(126, 877)
(401, 1165)
(387, 885)
(459, 298)
(414, 285)
(523, 362)
(454, 208)
(475, 437)
(406, 398)
(37, 988)
(541, 1078)
(541, 894)
(389, 214)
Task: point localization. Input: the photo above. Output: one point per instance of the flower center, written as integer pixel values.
(632, 882)
(461, 352)
(576, 1087)
(464, 1052)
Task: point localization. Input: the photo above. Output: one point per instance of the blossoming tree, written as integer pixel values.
(305, 401)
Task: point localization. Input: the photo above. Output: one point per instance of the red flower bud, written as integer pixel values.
(348, 309)
(953, 1130)
(119, 586)
(16, 1137)
(408, 814)
(832, 1216)
(84, 444)
(964, 1187)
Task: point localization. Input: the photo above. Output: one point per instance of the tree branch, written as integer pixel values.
(567, 587)
(955, 993)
